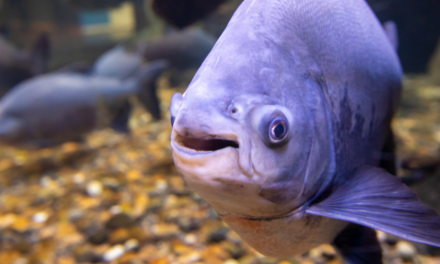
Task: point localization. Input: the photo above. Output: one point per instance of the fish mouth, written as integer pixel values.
(194, 145)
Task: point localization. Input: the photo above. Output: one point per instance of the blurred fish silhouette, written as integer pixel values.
(55, 108)
(17, 66)
(186, 49)
(184, 13)
(280, 128)
(118, 63)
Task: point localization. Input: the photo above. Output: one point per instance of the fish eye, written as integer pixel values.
(278, 130)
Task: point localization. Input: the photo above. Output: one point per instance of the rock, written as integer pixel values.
(405, 250)
(94, 188)
(163, 230)
(40, 217)
(119, 236)
(98, 237)
(131, 244)
(119, 221)
(113, 253)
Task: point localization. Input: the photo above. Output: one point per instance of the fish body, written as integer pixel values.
(186, 49)
(282, 129)
(117, 63)
(60, 107)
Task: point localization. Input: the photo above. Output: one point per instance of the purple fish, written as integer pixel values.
(283, 127)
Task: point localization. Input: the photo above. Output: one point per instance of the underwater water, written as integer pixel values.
(117, 198)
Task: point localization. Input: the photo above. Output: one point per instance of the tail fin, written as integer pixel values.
(40, 54)
(145, 85)
(391, 31)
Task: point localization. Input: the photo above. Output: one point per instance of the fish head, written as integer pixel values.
(252, 133)
(246, 153)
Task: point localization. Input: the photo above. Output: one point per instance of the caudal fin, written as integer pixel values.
(146, 85)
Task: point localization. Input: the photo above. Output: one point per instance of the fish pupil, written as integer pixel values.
(279, 130)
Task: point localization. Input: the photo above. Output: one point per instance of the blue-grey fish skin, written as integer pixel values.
(186, 49)
(325, 68)
(55, 108)
(117, 63)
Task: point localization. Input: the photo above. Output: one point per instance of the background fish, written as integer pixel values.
(55, 108)
(280, 129)
(17, 65)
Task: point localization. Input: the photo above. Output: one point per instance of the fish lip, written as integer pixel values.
(180, 148)
(192, 152)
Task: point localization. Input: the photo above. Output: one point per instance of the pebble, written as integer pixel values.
(114, 252)
(405, 249)
(231, 261)
(40, 217)
(131, 244)
(190, 257)
(165, 230)
(161, 185)
(119, 221)
(190, 239)
(79, 178)
(94, 188)
(116, 209)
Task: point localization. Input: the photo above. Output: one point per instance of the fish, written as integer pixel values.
(283, 126)
(120, 64)
(186, 49)
(19, 65)
(117, 63)
(55, 108)
(182, 14)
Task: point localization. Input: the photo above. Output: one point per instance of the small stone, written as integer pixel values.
(119, 221)
(113, 253)
(7, 220)
(233, 249)
(190, 239)
(328, 251)
(119, 236)
(405, 250)
(79, 178)
(249, 259)
(94, 188)
(190, 257)
(98, 237)
(21, 261)
(40, 217)
(116, 209)
(46, 181)
(131, 244)
(161, 185)
(111, 183)
(165, 230)
(188, 224)
(381, 236)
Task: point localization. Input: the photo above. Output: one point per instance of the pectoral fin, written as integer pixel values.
(376, 199)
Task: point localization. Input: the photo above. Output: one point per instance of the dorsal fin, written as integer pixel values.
(392, 33)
